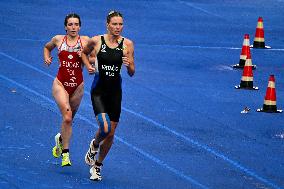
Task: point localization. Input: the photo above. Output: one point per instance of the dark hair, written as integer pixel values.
(113, 14)
(72, 15)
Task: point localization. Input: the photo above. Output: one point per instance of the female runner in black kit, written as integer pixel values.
(111, 50)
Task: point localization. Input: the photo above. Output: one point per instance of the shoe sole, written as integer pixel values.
(97, 180)
(88, 160)
(67, 165)
(55, 152)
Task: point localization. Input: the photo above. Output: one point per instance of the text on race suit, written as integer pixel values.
(110, 69)
(68, 64)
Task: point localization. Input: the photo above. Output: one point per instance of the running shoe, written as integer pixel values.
(57, 149)
(65, 159)
(90, 157)
(95, 172)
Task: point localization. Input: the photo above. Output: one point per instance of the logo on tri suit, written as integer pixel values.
(70, 56)
(71, 83)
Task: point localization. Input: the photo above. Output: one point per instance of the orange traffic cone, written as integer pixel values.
(245, 51)
(247, 77)
(269, 105)
(259, 36)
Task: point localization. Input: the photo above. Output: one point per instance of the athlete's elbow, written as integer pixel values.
(131, 73)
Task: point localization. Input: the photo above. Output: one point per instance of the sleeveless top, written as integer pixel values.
(70, 65)
(109, 65)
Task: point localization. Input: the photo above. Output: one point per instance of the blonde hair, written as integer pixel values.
(113, 13)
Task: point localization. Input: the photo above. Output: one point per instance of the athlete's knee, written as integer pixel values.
(110, 135)
(67, 120)
(108, 140)
(67, 117)
(104, 124)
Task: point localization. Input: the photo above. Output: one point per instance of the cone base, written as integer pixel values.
(247, 88)
(238, 66)
(258, 44)
(265, 47)
(269, 111)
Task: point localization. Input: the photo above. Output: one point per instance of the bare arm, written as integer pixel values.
(128, 57)
(85, 55)
(48, 47)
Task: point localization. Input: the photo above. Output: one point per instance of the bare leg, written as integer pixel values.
(76, 98)
(62, 99)
(107, 142)
(74, 101)
(99, 138)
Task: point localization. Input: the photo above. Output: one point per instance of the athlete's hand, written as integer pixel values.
(125, 61)
(47, 61)
(79, 53)
(91, 69)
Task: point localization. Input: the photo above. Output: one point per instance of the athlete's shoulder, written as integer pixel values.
(58, 37)
(94, 40)
(97, 38)
(128, 41)
(56, 40)
(84, 39)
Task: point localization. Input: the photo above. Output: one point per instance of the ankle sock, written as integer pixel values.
(98, 164)
(96, 146)
(65, 151)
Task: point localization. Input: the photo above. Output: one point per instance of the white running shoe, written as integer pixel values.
(90, 157)
(95, 172)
